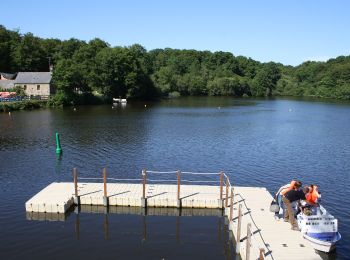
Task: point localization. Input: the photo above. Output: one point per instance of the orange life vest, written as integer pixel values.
(313, 195)
(291, 186)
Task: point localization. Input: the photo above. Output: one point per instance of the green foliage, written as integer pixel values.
(29, 54)
(174, 94)
(62, 98)
(82, 68)
(265, 80)
(227, 86)
(19, 91)
(22, 105)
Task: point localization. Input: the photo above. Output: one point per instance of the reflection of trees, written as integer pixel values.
(24, 130)
(101, 136)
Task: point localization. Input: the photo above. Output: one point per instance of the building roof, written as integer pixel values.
(33, 77)
(8, 75)
(7, 84)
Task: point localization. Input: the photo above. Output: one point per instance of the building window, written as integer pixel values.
(37, 87)
(25, 87)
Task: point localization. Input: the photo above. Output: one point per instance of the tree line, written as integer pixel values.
(97, 70)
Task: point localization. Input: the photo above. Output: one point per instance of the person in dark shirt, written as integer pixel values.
(288, 199)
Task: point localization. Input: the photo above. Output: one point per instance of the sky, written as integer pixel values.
(285, 31)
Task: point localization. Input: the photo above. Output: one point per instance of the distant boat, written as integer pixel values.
(120, 100)
(320, 228)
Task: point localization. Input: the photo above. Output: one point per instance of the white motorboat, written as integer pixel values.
(120, 100)
(319, 227)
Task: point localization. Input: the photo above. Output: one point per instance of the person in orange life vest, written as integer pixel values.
(313, 195)
(290, 197)
(294, 184)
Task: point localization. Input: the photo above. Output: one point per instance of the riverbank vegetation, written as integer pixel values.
(94, 72)
(22, 105)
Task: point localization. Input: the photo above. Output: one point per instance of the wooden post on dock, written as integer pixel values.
(248, 242)
(262, 254)
(226, 200)
(221, 188)
(143, 199)
(75, 179)
(178, 189)
(105, 198)
(231, 207)
(238, 244)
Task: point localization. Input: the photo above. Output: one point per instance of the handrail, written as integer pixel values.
(202, 173)
(178, 180)
(147, 171)
(224, 181)
(193, 173)
(109, 178)
(182, 173)
(262, 245)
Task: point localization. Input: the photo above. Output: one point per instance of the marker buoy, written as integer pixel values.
(58, 144)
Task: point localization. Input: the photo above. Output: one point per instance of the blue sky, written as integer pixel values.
(286, 31)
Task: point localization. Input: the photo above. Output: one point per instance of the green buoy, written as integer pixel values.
(58, 144)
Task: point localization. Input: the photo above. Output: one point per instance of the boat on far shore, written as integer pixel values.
(120, 100)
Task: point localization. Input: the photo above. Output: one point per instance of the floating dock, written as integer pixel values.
(257, 233)
(59, 197)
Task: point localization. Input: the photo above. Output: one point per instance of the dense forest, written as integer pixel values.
(95, 69)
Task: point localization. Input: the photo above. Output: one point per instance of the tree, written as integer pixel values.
(265, 80)
(29, 54)
(8, 42)
(134, 72)
(227, 86)
(68, 48)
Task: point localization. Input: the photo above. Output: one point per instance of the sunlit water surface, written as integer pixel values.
(256, 142)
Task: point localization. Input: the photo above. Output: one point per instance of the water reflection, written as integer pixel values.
(180, 225)
(223, 234)
(257, 142)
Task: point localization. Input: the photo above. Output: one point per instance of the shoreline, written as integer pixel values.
(38, 104)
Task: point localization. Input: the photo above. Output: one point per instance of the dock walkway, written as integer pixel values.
(59, 197)
(267, 237)
(274, 236)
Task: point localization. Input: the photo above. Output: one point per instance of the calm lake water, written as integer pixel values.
(256, 142)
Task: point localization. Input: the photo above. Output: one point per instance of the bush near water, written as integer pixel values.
(22, 105)
(94, 72)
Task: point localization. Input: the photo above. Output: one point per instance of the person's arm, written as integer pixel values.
(282, 188)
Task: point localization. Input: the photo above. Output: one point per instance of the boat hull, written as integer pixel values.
(322, 245)
(320, 228)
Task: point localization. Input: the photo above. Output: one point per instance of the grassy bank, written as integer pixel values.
(22, 105)
(58, 100)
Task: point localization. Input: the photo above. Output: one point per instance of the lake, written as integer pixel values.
(257, 142)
